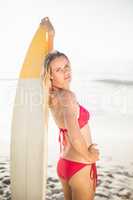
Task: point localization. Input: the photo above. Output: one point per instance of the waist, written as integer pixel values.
(73, 159)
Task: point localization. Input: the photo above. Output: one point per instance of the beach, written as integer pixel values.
(97, 38)
(111, 123)
(115, 182)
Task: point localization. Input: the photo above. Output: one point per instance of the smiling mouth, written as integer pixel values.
(68, 77)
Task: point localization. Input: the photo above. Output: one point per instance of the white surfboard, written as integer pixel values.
(28, 157)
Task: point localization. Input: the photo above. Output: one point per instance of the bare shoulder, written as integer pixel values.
(65, 102)
(69, 105)
(68, 97)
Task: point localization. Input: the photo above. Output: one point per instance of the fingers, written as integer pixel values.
(95, 153)
(92, 145)
(45, 19)
(45, 22)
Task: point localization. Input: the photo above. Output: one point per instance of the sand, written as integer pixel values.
(115, 182)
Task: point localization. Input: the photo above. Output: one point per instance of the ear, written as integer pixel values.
(51, 77)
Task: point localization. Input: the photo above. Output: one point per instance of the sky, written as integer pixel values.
(95, 34)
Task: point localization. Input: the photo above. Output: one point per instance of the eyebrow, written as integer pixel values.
(63, 66)
(57, 68)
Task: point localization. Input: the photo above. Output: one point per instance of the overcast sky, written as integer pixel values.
(97, 35)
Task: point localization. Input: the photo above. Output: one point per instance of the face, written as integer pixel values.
(61, 72)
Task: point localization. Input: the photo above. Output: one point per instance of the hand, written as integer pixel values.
(45, 22)
(94, 153)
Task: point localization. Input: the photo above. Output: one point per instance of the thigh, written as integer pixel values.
(66, 189)
(64, 182)
(82, 185)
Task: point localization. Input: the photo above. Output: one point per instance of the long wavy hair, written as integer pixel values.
(47, 82)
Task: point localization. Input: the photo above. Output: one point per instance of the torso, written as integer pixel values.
(68, 152)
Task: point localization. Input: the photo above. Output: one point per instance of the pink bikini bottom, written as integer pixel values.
(67, 168)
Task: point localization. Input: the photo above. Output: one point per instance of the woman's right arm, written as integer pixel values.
(71, 123)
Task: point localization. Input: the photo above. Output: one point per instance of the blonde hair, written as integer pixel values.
(47, 84)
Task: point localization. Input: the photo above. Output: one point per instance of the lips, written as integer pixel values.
(68, 77)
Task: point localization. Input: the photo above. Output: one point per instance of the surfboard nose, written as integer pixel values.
(40, 45)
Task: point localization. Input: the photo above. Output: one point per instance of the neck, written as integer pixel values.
(55, 88)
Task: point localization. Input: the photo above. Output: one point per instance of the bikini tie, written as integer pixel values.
(93, 170)
(62, 138)
(93, 174)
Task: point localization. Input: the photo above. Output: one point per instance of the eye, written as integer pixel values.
(58, 69)
(67, 66)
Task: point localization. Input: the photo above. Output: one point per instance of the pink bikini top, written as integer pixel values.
(83, 118)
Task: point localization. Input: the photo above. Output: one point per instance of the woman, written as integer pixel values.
(76, 166)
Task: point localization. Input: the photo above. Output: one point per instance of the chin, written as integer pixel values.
(69, 79)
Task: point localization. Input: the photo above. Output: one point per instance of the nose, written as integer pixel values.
(67, 73)
(67, 69)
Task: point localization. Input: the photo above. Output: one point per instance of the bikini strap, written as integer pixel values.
(61, 139)
(93, 174)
